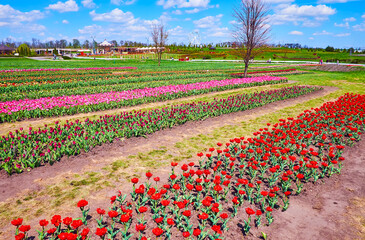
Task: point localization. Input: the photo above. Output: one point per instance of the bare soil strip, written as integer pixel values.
(334, 68)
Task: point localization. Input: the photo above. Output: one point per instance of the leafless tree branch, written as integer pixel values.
(252, 31)
(159, 37)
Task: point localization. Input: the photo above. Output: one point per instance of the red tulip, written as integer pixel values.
(101, 231)
(249, 211)
(157, 231)
(82, 203)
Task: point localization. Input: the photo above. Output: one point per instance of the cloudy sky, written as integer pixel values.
(317, 23)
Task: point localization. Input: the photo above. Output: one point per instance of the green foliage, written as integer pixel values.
(330, 49)
(24, 50)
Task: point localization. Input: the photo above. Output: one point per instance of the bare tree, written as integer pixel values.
(159, 37)
(251, 31)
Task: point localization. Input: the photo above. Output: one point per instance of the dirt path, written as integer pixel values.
(5, 128)
(100, 156)
(334, 68)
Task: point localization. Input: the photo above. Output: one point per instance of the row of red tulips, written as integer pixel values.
(244, 179)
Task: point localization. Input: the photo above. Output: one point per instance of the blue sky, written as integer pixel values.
(317, 23)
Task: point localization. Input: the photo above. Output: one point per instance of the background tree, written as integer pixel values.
(23, 50)
(159, 37)
(329, 49)
(76, 43)
(86, 44)
(114, 42)
(63, 43)
(251, 30)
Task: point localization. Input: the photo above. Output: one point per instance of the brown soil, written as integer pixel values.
(333, 68)
(5, 128)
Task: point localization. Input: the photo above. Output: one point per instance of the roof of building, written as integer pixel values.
(5, 48)
(105, 44)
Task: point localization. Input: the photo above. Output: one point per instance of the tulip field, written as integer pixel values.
(52, 143)
(266, 141)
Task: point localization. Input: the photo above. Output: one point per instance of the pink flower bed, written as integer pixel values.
(79, 100)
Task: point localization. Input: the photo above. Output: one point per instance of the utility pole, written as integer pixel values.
(94, 47)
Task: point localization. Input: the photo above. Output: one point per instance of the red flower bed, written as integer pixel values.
(253, 177)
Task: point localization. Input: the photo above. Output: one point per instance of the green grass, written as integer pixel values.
(146, 65)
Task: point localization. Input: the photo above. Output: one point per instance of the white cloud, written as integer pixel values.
(21, 22)
(308, 10)
(183, 3)
(307, 15)
(50, 39)
(311, 38)
(165, 17)
(334, 1)
(177, 31)
(121, 25)
(324, 32)
(350, 19)
(359, 27)
(151, 22)
(279, 1)
(65, 21)
(116, 16)
(219, 32)
(90, 29)
(68, 6)
(211, 24)
(342, 35)
(88, 3)
(177, 12)
(119, 2)
(296, 33)
(208, 22)
(345, 25)
(133, 32)
(311, 23)
(9, 14)
(194, 10)
(363, 16)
